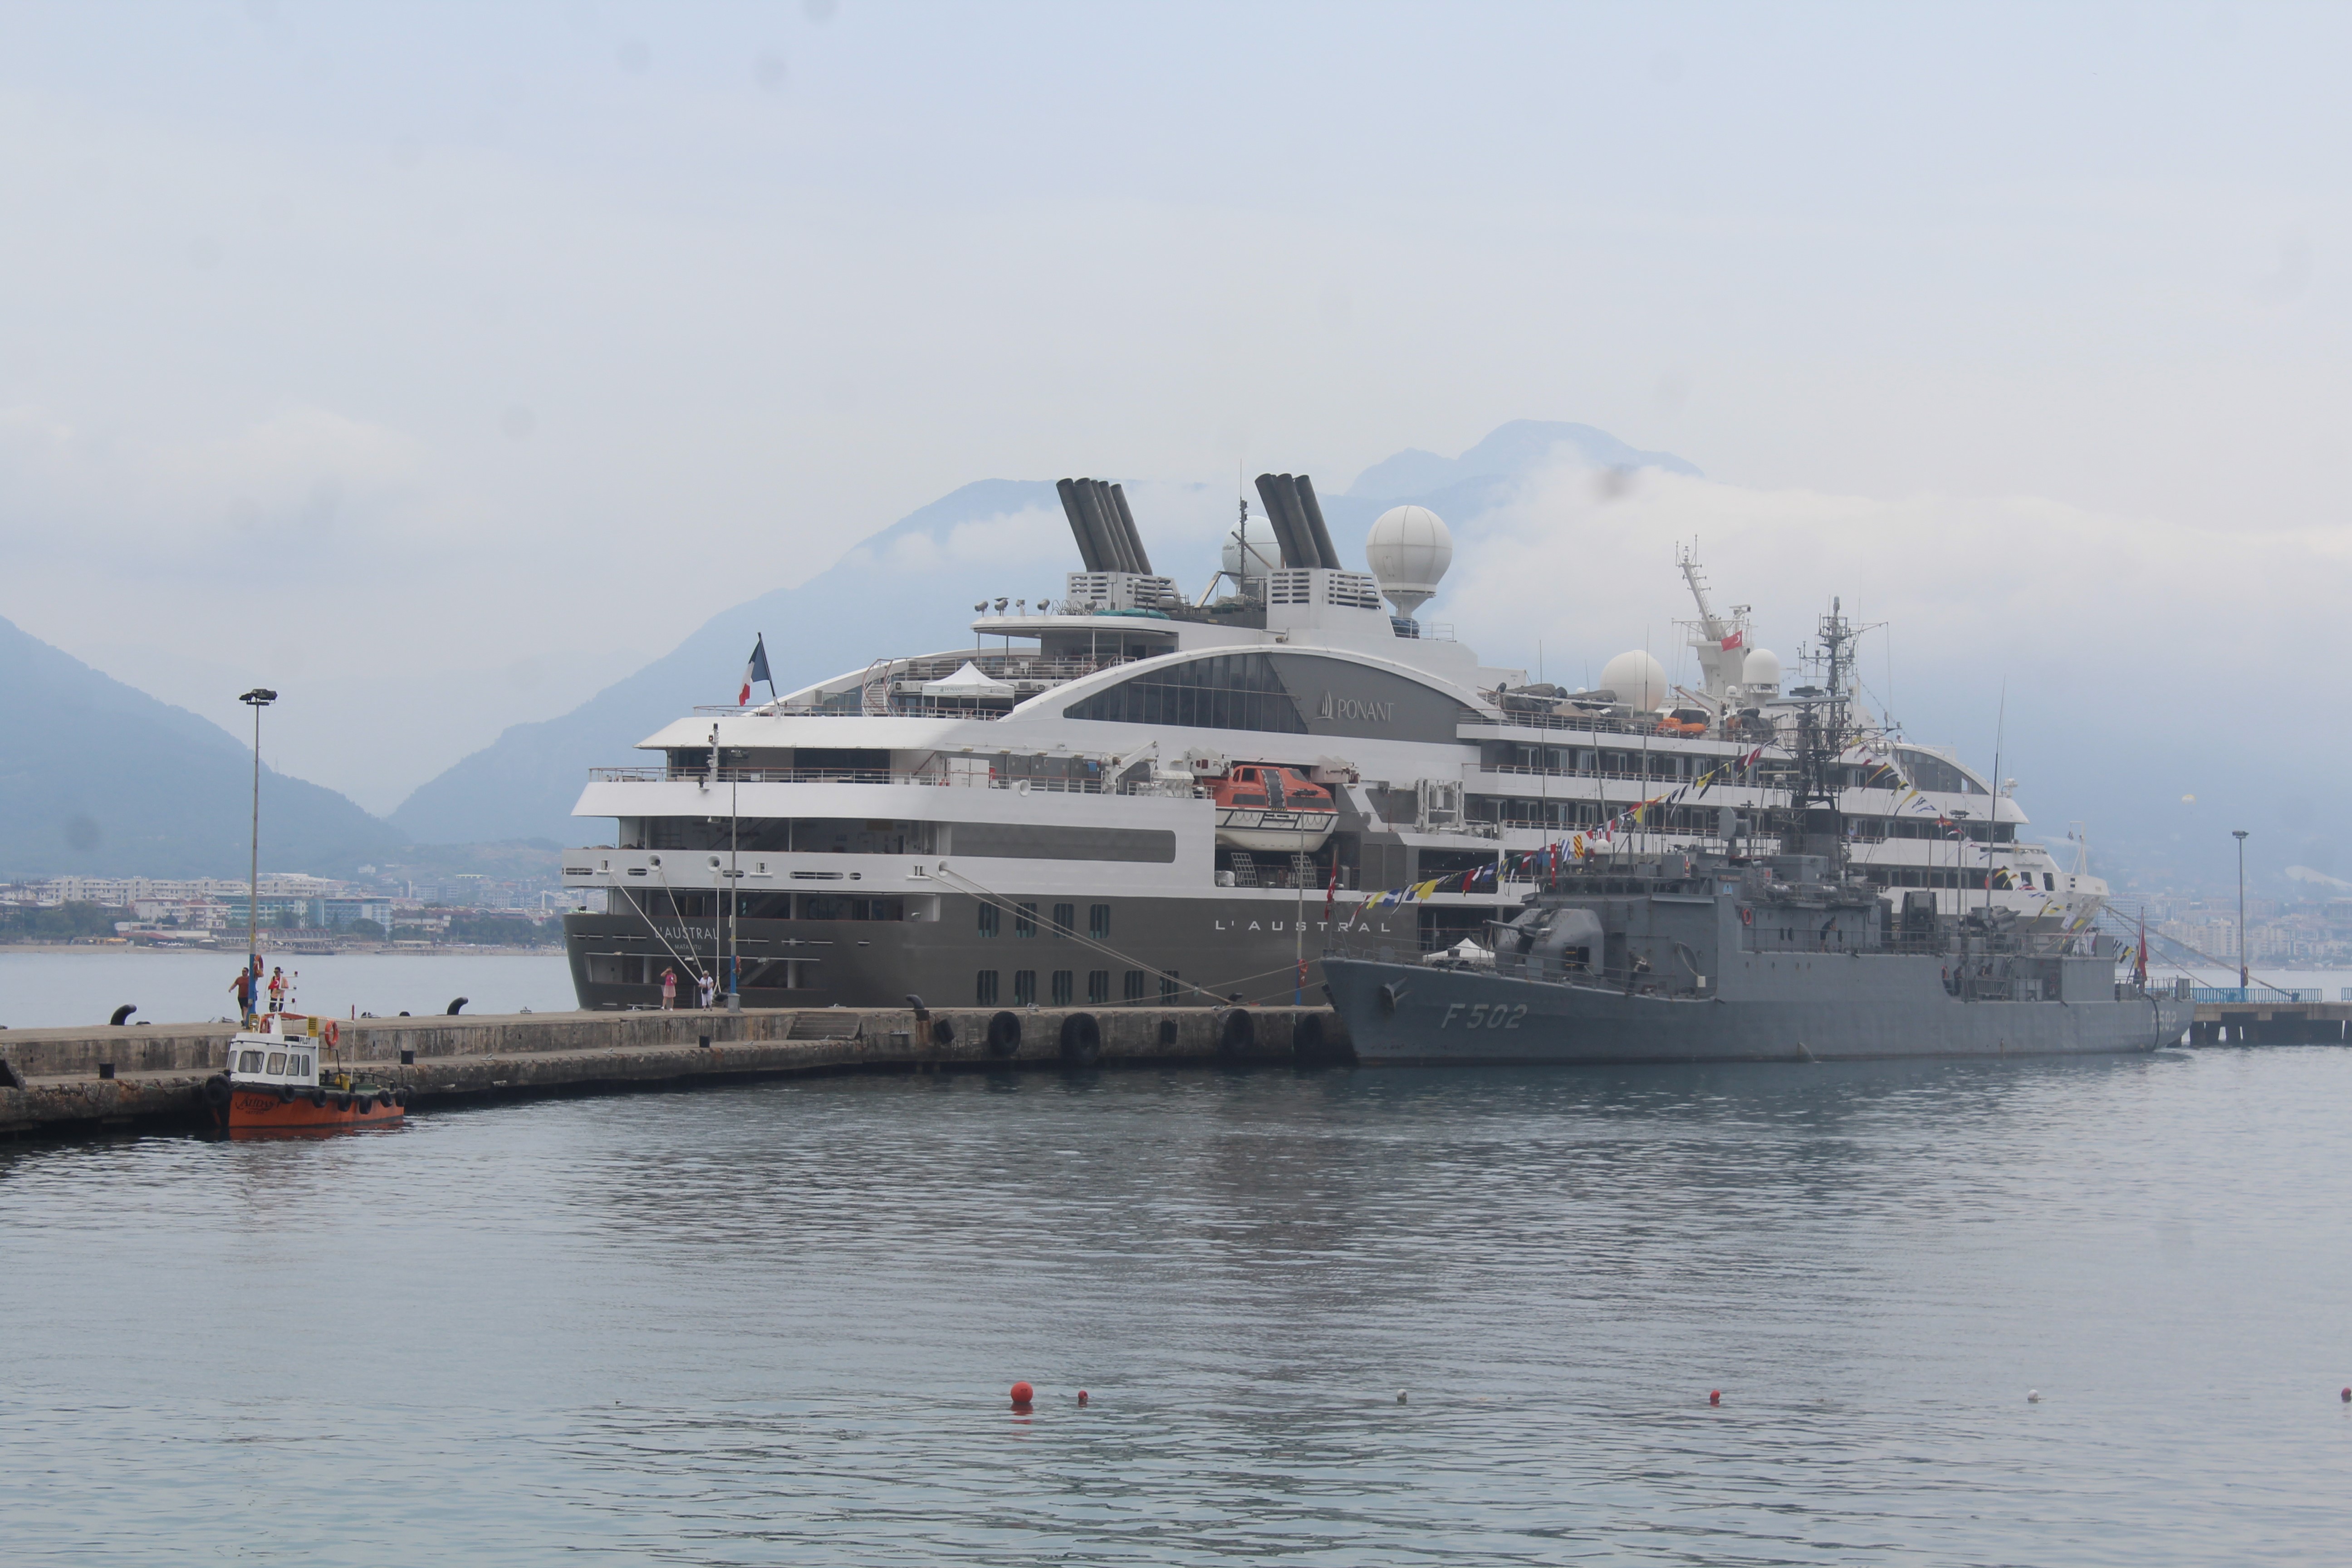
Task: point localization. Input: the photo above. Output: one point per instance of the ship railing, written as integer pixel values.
(929, 778)
(1637, 726)
(2265, 995)
(1017, 668)
(1562, 970)
(1750, 778)
(937, 708)
(1312, 880)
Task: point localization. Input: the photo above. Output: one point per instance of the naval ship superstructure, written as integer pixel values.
(1076, 811)
(1776, 951)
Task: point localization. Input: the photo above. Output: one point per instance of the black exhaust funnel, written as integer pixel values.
(1275, 495)
(1106, 526)
(1312, 509)
(1126, 521)
(1089, 551)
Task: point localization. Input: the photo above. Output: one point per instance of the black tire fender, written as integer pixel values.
(1081, 1038)
(1236, 1033)
(216, 1092)
(1003, 1034)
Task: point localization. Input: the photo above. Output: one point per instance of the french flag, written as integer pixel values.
(756, 669)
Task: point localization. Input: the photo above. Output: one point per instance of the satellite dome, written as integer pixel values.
(1760, 676)
(1251, 565)
(1639, 681)
(1408, 549)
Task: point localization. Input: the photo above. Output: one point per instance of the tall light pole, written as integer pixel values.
(2240, 835)
(257, 698)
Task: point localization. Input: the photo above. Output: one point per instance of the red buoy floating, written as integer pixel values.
(1022, 1395)
(1081, 1396)
(1714, 1396)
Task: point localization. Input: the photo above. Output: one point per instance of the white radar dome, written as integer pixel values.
(1760, 676)
(1408, 549)
(1252, 564)
(1639, 681)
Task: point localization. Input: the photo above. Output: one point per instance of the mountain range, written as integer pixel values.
(101, 779)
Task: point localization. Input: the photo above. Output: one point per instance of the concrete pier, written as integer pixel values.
(2272, 1023)
(72, 1080)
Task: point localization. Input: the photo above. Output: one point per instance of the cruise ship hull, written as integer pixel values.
(1216, 948)
(1852, 1008)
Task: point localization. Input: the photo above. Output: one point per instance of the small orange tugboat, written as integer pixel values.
(275, 1084)
(1264, 805)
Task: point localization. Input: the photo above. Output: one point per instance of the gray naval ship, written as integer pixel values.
(1703, 954)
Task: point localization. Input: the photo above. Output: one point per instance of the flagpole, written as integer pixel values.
(735, 897)
(1999, 728)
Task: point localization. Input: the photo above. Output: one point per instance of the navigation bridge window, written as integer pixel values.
(1227, 692)
(801, 835)
(1930, 771)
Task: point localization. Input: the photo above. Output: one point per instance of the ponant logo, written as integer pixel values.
(1340, 708)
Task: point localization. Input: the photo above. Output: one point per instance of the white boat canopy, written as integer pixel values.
(969, 681)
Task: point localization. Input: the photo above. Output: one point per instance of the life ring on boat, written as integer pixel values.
(330, 1034)
(1747, 916)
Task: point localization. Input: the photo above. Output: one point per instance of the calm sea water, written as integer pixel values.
(41, 988)
(775, 1324)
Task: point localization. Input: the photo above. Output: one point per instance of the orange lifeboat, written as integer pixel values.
(274, 1083)
(1266, 805)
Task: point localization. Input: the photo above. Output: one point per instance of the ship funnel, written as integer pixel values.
(1091, 550)
(1126, 523)
(1096, 504)
(1313, 511)
(1297, 520)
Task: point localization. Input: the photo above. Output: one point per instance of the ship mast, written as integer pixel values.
(1824, 731)
(1720, 641)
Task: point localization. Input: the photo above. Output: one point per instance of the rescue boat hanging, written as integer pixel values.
(1266, 805)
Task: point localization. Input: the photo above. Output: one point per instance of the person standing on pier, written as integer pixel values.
(705, 988)
(669, 990)
(242, 989)
(278, 990)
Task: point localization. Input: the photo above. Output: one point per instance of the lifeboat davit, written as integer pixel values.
(275, 1083)
(1264, 805)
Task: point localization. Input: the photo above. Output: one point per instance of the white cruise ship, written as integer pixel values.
(1123, 797)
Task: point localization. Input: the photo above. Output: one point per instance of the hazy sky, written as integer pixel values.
(438, 364)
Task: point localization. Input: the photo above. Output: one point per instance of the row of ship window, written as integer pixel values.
(1064, 921)
(1063, 985)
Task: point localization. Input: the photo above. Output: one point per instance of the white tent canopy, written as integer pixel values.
(969, 681)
